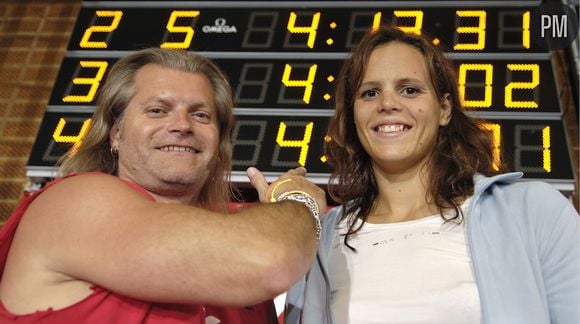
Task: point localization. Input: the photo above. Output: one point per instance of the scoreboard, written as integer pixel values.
(283, 57)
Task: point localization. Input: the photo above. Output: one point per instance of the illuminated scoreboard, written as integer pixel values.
(283, 57)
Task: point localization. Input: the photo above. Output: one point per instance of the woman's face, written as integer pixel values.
(396, 110)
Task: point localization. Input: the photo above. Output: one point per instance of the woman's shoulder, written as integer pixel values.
(532, 190)
(332, 215)
(513, 184)
(523, 196)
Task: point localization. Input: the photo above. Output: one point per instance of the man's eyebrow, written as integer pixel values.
(200, 104)
(155, 99)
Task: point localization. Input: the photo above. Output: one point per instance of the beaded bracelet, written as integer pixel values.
(309, 201)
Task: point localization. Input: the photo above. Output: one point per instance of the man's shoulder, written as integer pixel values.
(85, 193)
(87, 182)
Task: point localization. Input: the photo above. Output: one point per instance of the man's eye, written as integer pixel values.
(202, 116)
(154, 111)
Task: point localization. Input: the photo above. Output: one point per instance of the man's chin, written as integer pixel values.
(178, 186)
(180, 180)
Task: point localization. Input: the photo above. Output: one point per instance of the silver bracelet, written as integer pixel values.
(308, 201)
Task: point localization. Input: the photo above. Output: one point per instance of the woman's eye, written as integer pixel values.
(369, 93)
(410, 91)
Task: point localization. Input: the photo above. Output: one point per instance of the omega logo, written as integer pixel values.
(219, 27)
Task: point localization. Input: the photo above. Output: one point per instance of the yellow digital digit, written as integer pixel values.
(310, 30)
(479, 30)
(486, 101)
(327, 139)
(93, 82)
(76, 139)
(526, 29)
(355, 29)
(86, 39)
(377, 20)
(495, 130)
(534, 70)
(307, 84)
(187, 30)
(417, 26)
(546, 149)
(302, 144)
(529, 156)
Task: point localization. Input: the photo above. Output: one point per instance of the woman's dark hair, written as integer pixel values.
(464, 147)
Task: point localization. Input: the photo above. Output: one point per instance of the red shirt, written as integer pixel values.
(104, 306)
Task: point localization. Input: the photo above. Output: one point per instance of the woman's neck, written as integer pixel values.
(402, 198)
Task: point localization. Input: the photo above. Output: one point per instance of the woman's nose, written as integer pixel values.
(388, 101)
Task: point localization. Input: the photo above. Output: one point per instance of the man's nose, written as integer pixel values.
(181, 122)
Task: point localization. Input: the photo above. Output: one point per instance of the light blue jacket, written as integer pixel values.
(524, 239)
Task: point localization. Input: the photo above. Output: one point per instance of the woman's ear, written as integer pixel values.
(445, 110)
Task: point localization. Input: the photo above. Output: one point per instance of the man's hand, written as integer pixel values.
(293, 180)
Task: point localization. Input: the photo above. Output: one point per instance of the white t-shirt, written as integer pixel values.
(409, 272)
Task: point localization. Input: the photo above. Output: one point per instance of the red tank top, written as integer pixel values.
(104, 306)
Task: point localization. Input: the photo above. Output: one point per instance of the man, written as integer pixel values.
(138, 230)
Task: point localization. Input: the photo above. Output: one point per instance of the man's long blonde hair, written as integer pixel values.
(94, 152)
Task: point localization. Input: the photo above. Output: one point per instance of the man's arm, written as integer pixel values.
(97, 229)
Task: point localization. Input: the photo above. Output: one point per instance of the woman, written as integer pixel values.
(430, 230)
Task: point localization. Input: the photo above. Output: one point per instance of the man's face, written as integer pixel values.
(168, 139)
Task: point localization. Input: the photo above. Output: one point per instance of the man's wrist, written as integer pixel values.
(308, 201)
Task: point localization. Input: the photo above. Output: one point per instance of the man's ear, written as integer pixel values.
(114, 135)
(446, 110)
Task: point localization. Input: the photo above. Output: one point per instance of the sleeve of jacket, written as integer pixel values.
(558, 231)
(308, 300)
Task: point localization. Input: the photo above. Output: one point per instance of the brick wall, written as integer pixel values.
(33, 39)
